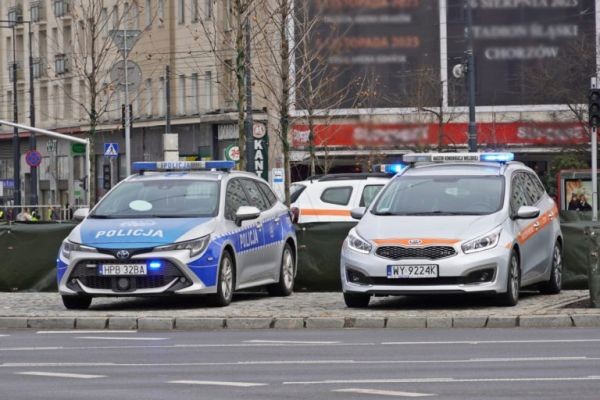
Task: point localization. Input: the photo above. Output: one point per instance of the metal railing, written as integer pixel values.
(38, 213)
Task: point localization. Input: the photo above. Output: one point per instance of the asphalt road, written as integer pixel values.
(301, 364)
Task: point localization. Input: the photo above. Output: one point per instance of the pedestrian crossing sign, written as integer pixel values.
(111, 149)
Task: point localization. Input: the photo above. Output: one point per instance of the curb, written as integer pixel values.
(265, 323)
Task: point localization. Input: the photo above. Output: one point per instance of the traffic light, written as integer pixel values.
(594, 108)
(106, 176)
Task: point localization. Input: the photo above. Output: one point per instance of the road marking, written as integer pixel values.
(288, 342)
(120, 338)
(83, 331)
(446, 380)
(60, 375)
(383, 392)
(498, 341)
(220, 383)
(300, 362)
(4, 335)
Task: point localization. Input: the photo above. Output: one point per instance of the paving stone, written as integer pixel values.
(586, 321)
(495, 321)
(91, 323)
(199, 323)
(51, 323)
(545, 321)
(155, 324)
(406, 322)
(248, 323)
(122, 323)
(469, 322)
(325, 323)
(439, 322)
(13, 323)
(289, 323)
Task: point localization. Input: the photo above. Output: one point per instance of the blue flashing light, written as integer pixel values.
(154, 265)
(389, 168)
(182, 165)
(497, 157)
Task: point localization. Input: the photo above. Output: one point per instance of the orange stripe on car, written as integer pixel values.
(324, 211)
(540, 223)
(416, 242)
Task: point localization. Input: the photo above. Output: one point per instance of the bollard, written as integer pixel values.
(593, 234)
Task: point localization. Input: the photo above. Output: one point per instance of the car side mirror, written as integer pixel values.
(358, 212)
(245, 213)
(526, 212)
(80, 214)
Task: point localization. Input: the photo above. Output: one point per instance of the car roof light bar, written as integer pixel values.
(458, 157)
(389, 168)
(142, 166)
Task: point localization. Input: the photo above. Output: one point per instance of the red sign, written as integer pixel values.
(33, 158)
(401, 135)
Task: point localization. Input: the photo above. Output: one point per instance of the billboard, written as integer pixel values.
(526, 51)
(366, 53)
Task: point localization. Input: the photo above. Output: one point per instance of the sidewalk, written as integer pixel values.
(301, 310)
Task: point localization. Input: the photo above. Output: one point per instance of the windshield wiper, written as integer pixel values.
(101, 216)
(443, 213)
(383, 213)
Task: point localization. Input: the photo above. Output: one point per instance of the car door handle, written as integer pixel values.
(536, 226)
(551, 215)
(259, 225)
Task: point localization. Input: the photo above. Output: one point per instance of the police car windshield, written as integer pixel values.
(166, 198)
(441, 195)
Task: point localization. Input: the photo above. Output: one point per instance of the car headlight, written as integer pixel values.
(485, 242)
(357, 243)
(68, 247)
(195, 246)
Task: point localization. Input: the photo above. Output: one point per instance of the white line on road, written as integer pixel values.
(120, 338)
(497, 341)
(289, 342)
(446, 380)
(220, 383)
(60, 375)
(4, 335)
(383, 392)
(83, 331)
(301, 362)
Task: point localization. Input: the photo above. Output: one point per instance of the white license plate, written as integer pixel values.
(122, 269)
(412, 271)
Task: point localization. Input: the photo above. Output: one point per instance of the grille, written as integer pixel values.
(430, 252)
(88, 275)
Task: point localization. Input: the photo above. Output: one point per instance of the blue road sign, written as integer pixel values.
(111, 149)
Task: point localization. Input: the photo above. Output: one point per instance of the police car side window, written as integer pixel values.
(268, 193)
(539, 188)
(337, 195)
(518, 196)
(368, 194)
(532, 190)
(235, 197)
(254, 196)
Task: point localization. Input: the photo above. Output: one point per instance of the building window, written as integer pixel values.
(37, 68)
(208, 89)
(43, 101)
(148, 97)
(36, 11)
(195, 12)
(115, 17)
(181, 11)
(194, 94)
(148, 13)
(161, 12)
(15, 15)
(161, 97)
(182, 95)
(60, 64)
(209, 9)
(135, 14)
(61, 8)
(104, 21)
(68, 99)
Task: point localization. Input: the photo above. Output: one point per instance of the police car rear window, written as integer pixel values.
(168, 198)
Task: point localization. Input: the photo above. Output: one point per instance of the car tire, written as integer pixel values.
(513, 283)
(285, 286)
(554, 284)
(225, 282)
(77, 302)
(357, 300)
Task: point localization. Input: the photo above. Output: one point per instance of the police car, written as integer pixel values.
(180, 228)
(455, 223)
(331, 197)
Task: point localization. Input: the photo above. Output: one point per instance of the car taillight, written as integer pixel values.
(295, 214)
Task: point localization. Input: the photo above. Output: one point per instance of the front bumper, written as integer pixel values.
(179, 275)
(461, 273)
